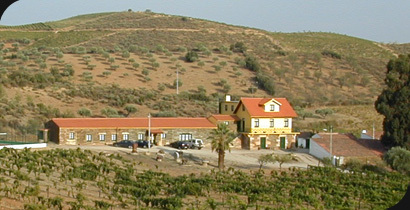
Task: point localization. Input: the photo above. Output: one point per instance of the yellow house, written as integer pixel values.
(265, 123)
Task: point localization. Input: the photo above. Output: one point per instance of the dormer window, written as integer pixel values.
(272, 107)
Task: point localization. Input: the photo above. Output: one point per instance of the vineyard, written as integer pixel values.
(82, 179)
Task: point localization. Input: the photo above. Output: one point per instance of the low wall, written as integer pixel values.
(22, 146)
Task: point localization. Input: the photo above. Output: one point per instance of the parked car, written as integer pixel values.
(181, 144)
(197, 143)
(144, 144)
(124, 143)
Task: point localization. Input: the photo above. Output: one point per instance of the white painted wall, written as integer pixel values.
(278, 122)
(317, 151)
(22, 146)
(302, 142)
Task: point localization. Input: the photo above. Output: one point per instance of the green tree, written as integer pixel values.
(265, 159)
(399, 159)
(283, 158)
(130, 108)
(221, 138)
(84, 112)
(191, 56)
(394, 103)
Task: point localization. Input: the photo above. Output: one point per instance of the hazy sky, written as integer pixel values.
(376, 20)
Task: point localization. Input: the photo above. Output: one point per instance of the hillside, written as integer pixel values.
(105, 62)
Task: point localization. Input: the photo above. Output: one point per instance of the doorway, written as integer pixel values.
(263, 142)
(282, 142)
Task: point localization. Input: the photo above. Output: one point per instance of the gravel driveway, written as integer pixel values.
(237, 158)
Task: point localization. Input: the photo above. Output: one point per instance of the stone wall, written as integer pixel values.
(80, 135)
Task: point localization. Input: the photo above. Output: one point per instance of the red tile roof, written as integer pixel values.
(160, 122)
(225, 117)
(345, 145)
(256, 109)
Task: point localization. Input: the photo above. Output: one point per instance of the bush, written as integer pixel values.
(398, 159)
(191, 56)
(266, 83)
(252, 63)
(331, 54)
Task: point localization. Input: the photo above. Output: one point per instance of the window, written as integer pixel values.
(185, 136)
(125, 136)
(114, 137)
(286, 122)
(226, 107)
(232, 107)
(88, 137)
(256, 122)
(272, 123)
(140, 136)
(272, 107)
(243, 107)
(226, 122)
(101, 136)
(71, 135)
(163, 135)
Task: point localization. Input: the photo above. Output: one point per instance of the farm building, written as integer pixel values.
(100, 131)
(343, 147)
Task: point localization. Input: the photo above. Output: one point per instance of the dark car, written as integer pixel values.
(124, 143)
(143, 144)
(181, 144)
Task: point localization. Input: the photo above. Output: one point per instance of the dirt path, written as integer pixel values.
(237, 158)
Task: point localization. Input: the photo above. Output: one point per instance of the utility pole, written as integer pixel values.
(331, 144)
(149, 131)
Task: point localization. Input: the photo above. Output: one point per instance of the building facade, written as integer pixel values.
(265, 123)
(102, 131)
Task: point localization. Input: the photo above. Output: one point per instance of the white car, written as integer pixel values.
(197, 143)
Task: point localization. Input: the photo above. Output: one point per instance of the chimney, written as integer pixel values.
(227, 97)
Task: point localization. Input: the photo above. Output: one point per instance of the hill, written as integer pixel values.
(105, 62)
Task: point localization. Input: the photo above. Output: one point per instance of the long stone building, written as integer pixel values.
(261, 123)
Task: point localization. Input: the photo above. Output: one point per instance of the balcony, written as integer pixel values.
(269, 131)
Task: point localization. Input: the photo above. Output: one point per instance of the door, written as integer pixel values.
(282, 142)
(263, 142)
(307, 143)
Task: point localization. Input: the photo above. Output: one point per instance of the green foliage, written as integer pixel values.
(394, 102)
(264, 159)
(130, 108)
(109, 112)
(399, 159)
(282, 158)
(238, 47)
(252, 63)
(331, 54)
(84, 112)
(266, 83)
(324, 112)
(191, 56)
(221, 138)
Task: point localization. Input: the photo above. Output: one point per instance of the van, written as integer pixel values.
(197, 143)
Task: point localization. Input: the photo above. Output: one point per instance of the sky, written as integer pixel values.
(376, 20)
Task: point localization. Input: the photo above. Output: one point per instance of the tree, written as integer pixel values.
(191, 56)
(84, 112)
(283, 159)
(221, 138)
(264, 159)
(130, 108)
(399, 159)
(394, 102)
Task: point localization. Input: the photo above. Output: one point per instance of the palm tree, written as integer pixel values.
(221, 138)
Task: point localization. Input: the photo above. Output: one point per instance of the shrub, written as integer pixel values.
(191, 56)
(398, 159)
(84, 112)
(252, 63)
(331, 54)
(266, 83)
(238, 47)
